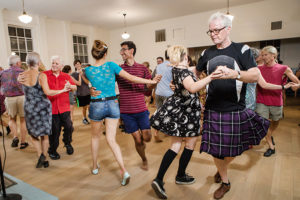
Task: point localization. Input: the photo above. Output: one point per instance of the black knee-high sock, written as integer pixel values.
(184, 161)
(165, 163)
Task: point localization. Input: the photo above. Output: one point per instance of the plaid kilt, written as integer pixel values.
(229, 134)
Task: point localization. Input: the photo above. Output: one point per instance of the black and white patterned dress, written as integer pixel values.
(180, 114)
(38, 111)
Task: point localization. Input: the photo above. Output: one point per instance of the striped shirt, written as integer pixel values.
(132, 95)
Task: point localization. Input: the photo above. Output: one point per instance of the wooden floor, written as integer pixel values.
(252, 176)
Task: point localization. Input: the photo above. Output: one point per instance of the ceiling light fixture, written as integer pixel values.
(228, 14)
(24, 17)
(125, 35)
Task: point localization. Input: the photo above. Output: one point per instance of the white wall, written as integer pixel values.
(50, 36)
(252, 23)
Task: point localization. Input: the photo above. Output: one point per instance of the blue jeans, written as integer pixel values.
(104, 109)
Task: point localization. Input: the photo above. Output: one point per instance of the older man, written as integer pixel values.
(60, 108)
(229, 128)
(14, 99)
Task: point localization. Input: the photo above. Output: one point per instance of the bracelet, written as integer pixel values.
(282, 87)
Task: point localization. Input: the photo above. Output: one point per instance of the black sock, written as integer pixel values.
(8, 130)
(184, 161)
(165, 163)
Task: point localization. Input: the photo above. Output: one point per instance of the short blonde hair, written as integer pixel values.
(176, 54)
(271, 50)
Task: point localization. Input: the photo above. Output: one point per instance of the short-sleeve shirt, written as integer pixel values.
(103, 78)
(132, 95)
(10, 87)
(163, 87)
(226, 95)
(83, 89)
(274, 75)
(60, 102)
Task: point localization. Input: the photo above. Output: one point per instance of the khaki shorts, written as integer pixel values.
(269, 112)
(15, 106)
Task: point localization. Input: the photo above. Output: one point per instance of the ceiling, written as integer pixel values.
(108, 13)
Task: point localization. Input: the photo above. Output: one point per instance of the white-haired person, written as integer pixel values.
(269, 102)
(14, 99)
(60, 108)
(105, 106)
(179, 117)
(229, 128)
(37, 107)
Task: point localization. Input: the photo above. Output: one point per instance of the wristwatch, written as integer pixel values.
(239, 75)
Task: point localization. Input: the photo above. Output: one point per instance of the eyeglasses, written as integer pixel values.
(123, 49)
(215, 31)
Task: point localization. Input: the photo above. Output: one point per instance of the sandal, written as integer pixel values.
(23, 145)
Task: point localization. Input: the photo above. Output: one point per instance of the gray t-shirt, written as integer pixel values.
(82, 90)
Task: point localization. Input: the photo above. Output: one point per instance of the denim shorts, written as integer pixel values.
(104, 109)
(136, 121)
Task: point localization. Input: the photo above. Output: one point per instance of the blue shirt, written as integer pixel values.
(103, 78)
(163, 87)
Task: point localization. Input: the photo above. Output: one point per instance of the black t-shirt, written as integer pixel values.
(226, 95)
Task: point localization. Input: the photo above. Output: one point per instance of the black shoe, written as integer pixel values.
(184, 180)
(54, 156)
(15, 142)
(272, 140)
(8, 130)
(41, 161)
(157, 186)
(70, 149)
(46, 164)
(1, 133)
(269, 152)
(23, 145)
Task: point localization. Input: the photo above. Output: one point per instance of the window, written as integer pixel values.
(160, 35)
(80, 49)
(20, 41)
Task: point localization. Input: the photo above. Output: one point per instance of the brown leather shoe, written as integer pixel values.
(217, 178)
(221, 191)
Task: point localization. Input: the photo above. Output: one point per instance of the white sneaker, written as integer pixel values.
(96, 171)
(85, 121)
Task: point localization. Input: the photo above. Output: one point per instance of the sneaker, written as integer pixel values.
(15, 142)
(54, 155)
(217, 178)
(85, 121)
(126, 179)
(269, 152)
(221, 191)
(70, 149)
(157, 186)
(184, 180)
(96, 171)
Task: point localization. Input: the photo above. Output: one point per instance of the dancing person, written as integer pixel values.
(37, 107)
(60, 108)
(105, 105)
(179, 117)
(228, 128)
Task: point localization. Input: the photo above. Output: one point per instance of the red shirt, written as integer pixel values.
(272, 75)
(60, 102)
(132, 95)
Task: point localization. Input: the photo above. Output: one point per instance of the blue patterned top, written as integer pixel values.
(251, 96)
(103, 78)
